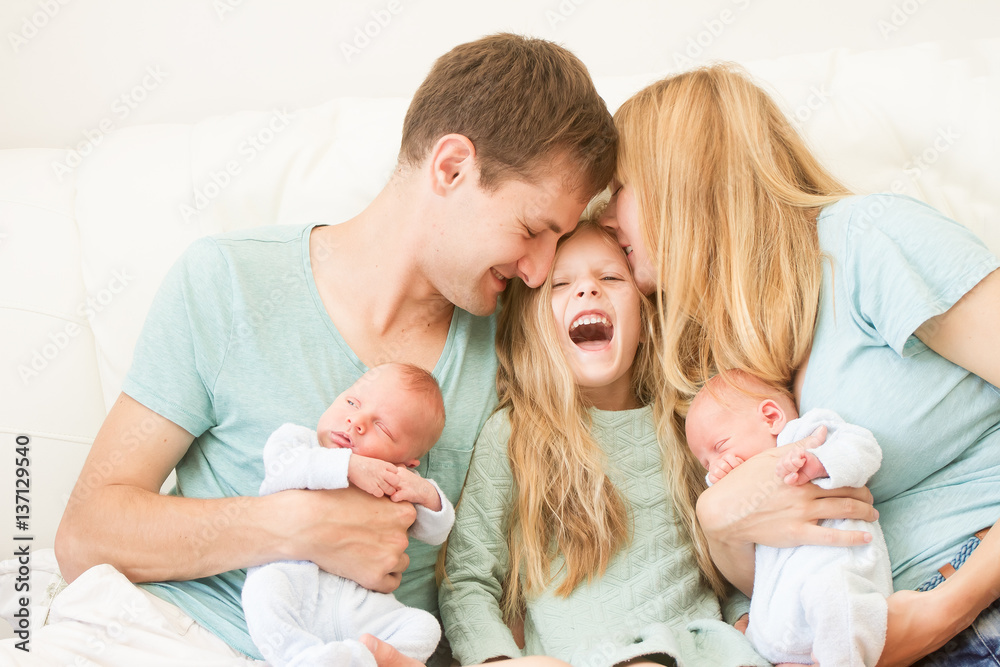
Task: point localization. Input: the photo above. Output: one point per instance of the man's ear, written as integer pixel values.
(772, 415)
(452, 160)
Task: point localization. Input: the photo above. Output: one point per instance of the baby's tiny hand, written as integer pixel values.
(797, 467)
(371, 475)
(722, 467)
(415, 489)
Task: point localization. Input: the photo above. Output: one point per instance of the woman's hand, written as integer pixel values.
(921, 623)
(918, 625)
(768, 511)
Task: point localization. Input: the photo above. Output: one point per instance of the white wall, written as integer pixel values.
(73, 67)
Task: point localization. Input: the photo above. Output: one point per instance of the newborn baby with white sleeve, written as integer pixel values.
(809, 603)
(377, 429)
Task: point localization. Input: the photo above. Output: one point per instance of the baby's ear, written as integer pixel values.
(773, 416)
(412, 463)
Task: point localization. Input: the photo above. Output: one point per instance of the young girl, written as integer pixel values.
(565, 520)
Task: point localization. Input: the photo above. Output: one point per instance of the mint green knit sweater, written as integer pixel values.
(651, 600)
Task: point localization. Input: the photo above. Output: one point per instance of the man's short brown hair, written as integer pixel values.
(523, 102)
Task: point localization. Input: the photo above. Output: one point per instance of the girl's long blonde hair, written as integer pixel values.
(565, 504)
(727, 195)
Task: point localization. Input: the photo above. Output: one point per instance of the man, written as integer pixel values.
(503, 145)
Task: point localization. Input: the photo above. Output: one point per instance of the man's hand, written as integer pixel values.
(723, 466)
(348, 532)
(371, 475)
(414, 488)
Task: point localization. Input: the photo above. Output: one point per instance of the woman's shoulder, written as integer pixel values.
(902, 223)
(876, 208)
(887, 212)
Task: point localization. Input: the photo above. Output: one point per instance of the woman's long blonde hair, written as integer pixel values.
(727, 195)
(565, 504)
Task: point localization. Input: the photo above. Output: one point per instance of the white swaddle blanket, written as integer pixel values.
(827, 602)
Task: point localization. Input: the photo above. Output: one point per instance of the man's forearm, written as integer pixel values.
(153, 537)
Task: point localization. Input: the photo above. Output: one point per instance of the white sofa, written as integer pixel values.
(86, 234)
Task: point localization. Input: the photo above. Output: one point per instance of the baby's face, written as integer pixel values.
(740, 428)
(378, 418)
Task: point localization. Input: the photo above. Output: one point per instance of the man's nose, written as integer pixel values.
(609, 220)
(534, 266)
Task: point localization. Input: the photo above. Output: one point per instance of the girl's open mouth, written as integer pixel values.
(591, 331)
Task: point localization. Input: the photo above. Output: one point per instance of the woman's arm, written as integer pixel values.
(966, 334)
(116, 515)
(775, 514)
(920, 623)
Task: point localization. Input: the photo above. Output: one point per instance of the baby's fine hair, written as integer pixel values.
(736, 385)
(423, 383)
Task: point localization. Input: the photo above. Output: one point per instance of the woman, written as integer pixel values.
(761, 261)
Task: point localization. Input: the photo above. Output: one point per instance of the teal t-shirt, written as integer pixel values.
(237, 342)
(893, 263)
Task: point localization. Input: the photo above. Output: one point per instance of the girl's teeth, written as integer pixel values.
(590, 319)
(628, 250)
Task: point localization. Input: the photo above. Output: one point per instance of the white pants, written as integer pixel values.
(317, 618)
(103, 619)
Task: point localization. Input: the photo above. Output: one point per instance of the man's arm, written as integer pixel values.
(116, 515)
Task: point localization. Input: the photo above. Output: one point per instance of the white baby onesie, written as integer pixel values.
(300, 615)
